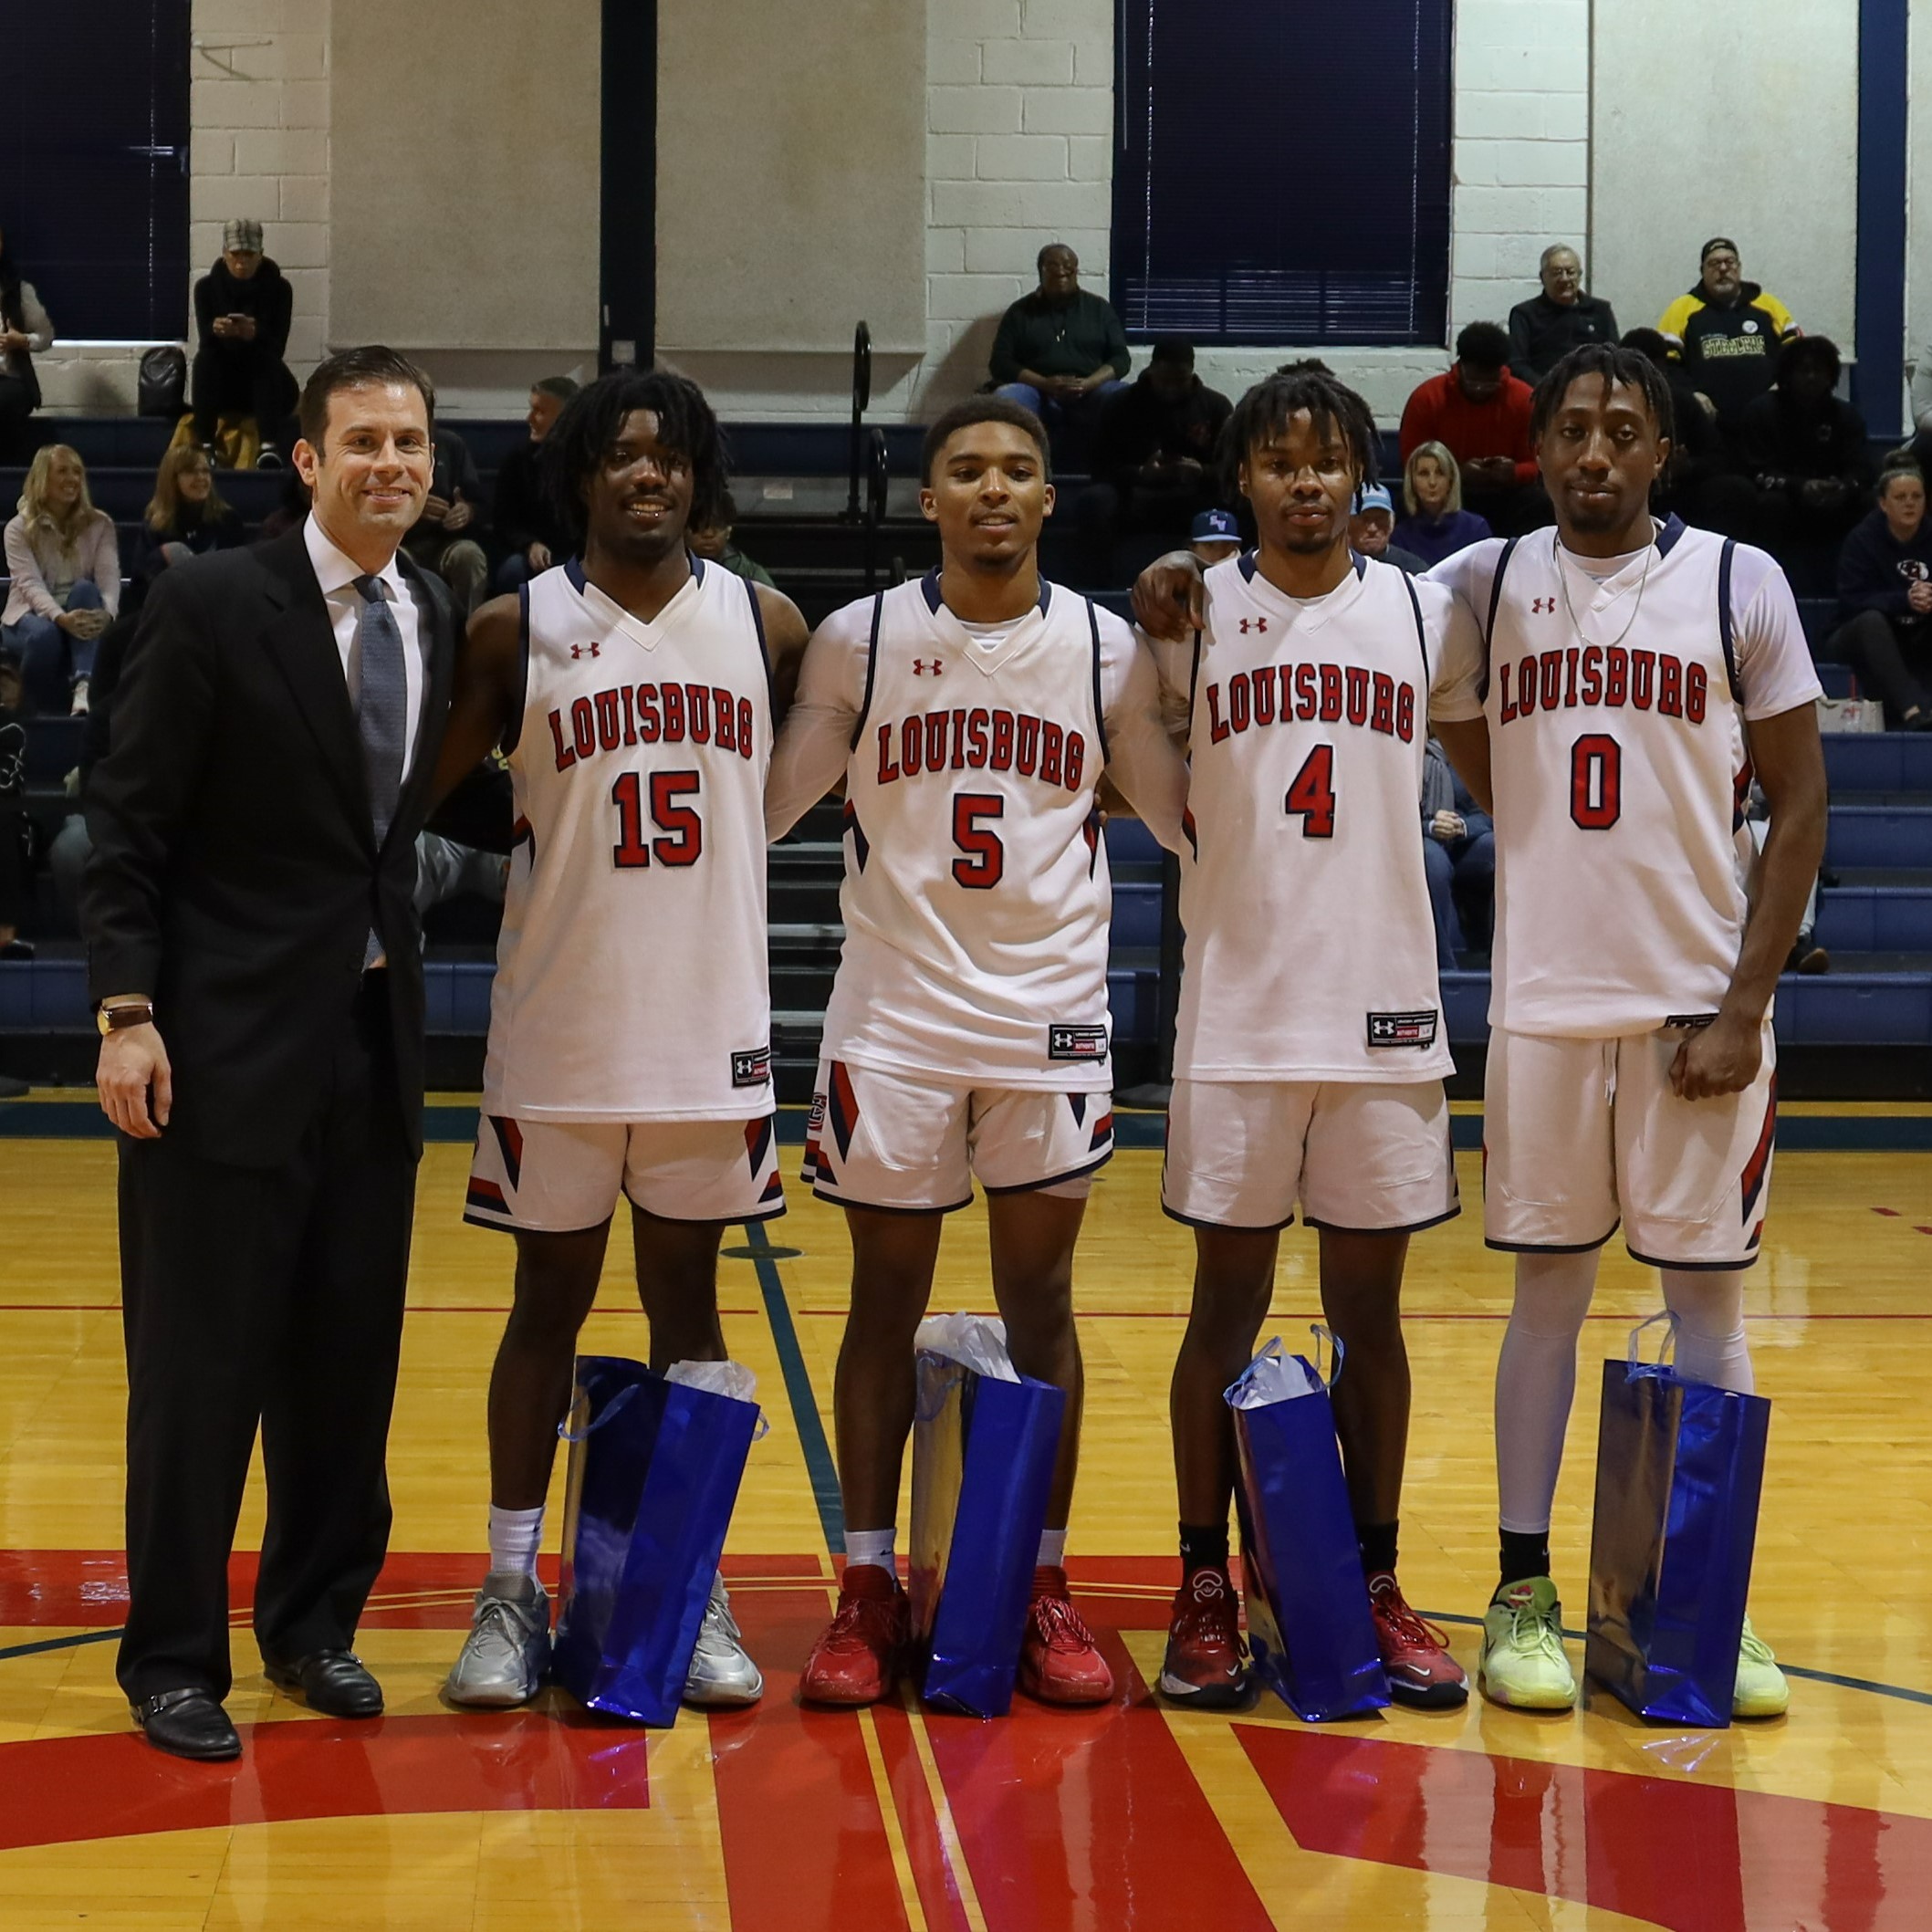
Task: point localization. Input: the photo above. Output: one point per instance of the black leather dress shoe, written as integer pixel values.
(332, 1682)
(188, 1724)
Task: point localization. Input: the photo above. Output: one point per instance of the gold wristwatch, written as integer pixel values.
(125, 1013)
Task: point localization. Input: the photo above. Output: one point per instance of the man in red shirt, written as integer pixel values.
(1481, 411)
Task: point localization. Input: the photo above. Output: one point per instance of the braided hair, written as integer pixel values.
(590, 421)
(1613, 364)
(1263, 413)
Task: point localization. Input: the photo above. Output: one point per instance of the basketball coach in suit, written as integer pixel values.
(254, 957)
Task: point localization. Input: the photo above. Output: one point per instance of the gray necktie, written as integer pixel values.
(382, 712)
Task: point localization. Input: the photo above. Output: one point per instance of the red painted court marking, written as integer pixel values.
(804, 1840)
(937, 1884)
(1075, 1819)
(1890, 1212)
(64, 1790)
(1686, 1857)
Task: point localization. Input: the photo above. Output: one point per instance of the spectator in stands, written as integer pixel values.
(1060, 351)
(1214, 536)
(186, 515)
(1481, 412)
(1153, 447)
(448, 537)
(1726, 332)
(66, 569)
(1700, 483)
(25, 333)
(1435, 526)
(1805, 451)
(1885, 601)
(1373, 526)
(713, 543)
(1458, 852)
(526, 525)
(14, 881)
(1546, 328)
(242, 310)
(291, 512)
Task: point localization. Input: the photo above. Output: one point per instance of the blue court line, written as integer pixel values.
(819, 1463)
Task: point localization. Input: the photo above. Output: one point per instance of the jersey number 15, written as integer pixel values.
(681, 831)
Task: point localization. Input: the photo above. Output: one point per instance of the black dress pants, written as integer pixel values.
(265, 1298)
(1893, 662)
(241, 378)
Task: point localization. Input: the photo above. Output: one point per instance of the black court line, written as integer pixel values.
(87, 1636)
(819, 1463)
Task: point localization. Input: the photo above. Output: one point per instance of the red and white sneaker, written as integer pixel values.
(858, 1659)
(1060, 1663)
(1414, 1653)
(1205, 1665)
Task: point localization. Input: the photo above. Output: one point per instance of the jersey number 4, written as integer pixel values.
(1311, 795)
(1596, 781)
(681, 831)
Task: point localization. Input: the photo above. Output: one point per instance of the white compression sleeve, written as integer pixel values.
(1709, 1308)
(1535, 1382)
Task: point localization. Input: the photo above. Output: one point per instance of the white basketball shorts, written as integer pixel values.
(1358, 1156)
(558, 1177)
(1579, 1134)
(912, 1145)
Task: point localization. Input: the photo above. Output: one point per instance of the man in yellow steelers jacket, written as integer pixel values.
(1726, 332)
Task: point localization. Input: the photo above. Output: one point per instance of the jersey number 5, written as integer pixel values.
(985, 863)
(1596, 781)
(1311, 796)
(682, 829)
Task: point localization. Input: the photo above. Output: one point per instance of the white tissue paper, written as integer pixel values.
(975, 1341)
(721, 1378)
(1272, 1377)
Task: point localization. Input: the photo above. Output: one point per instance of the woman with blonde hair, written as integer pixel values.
(1437, 524)
(66, 570)
(186, 515)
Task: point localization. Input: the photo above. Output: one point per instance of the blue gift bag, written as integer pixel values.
(984, 1442)
(1310, 1632)
(1679, 1470)
(654, 1471)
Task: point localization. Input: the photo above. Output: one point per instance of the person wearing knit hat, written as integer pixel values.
(242, 310)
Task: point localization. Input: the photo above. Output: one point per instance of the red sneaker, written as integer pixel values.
(858, 1658)
(1414, 1654)
(1060, 1663)
(1205, 1665)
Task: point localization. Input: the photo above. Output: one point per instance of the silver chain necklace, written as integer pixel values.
(1562, 584)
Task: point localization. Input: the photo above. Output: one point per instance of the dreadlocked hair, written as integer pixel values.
(1333, 406)
(580, 442)
(1612, 363)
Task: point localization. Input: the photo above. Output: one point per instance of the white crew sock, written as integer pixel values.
(515, 1535)
(1535, 1383)
(870, 1545)
(1052, 1549)
(1709, 1308)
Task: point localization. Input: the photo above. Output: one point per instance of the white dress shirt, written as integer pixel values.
(337, 574)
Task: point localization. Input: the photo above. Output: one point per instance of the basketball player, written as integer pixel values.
(970, 715)
(629, 1053)
(1311, 1047)
(1637, 674)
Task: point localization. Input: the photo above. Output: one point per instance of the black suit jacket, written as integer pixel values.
(234, 874)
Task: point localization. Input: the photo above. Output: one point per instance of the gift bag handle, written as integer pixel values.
(1668, 1354)
(617, 1401)
(1337, 1352)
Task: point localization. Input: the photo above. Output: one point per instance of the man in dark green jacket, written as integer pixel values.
(1060, 351)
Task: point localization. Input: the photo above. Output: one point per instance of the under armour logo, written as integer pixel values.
(1256, 623)
(585, 650)
(921, 665)
(1543, 606)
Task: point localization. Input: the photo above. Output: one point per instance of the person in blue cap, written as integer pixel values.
(1214, 536)
(1372, 529)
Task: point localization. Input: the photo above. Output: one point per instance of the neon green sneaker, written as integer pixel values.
(1761, 1690)
(1522, 1661)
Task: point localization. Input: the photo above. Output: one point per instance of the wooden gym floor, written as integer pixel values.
(1131, 1817)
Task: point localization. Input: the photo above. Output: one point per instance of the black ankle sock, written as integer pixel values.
(1525, 1553)
(1203, 1546)
(1377, 1544)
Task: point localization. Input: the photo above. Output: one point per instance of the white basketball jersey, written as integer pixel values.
(1618, 761)
(631, 981)
(976, 896)
(1311, 951)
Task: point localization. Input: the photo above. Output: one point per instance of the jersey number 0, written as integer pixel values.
(681, 831)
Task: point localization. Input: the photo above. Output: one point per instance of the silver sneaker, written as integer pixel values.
(721, 1675)
(507, 1651)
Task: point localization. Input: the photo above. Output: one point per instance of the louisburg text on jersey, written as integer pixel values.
(1604, 674)
(652, 714)
(1324, 693)
(982, 738)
